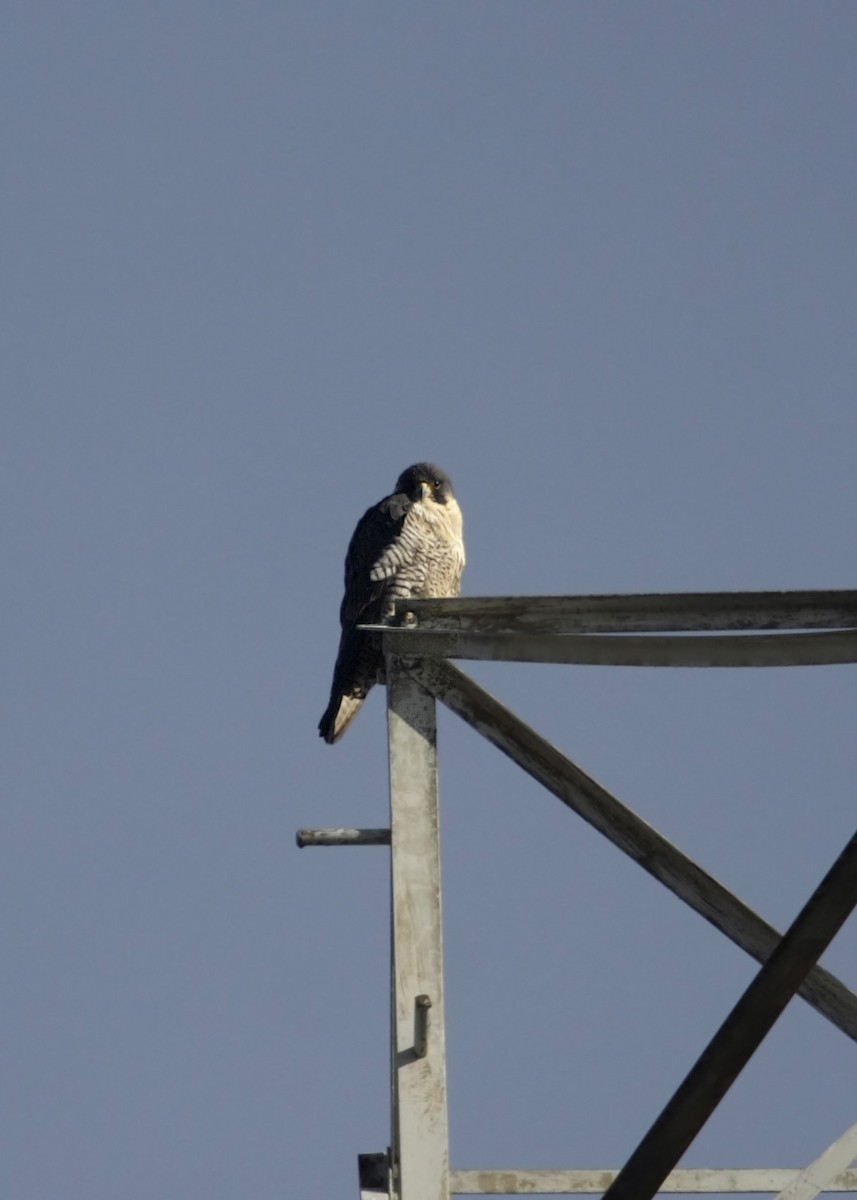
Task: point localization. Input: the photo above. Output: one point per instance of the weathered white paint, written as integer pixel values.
(421, 1138)
(825, 1174)
(595, 1182)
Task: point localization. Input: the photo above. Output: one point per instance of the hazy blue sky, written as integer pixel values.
(599, 261)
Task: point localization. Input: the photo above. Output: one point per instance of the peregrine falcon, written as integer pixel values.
(409, 544)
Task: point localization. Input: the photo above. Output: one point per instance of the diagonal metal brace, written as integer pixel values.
(741, 1034)
(634, 836)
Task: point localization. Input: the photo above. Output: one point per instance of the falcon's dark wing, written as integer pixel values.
(376, 530)
(359, 660)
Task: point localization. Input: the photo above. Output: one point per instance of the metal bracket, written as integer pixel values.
(342, 837)
(374, 1175)
(422, 1004)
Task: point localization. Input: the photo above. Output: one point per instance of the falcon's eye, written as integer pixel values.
(437, 485)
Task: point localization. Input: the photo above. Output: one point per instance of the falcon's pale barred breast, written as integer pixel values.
(410, 544)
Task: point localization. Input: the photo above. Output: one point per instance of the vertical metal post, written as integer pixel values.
(420, 1125)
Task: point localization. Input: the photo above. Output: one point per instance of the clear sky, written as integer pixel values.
(599, 261)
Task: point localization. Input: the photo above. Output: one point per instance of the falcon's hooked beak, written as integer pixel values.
(426, 490)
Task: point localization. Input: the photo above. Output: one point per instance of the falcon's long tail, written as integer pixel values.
(355, 673)
(338, 716)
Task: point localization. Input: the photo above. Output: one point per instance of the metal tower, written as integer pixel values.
(756, 629)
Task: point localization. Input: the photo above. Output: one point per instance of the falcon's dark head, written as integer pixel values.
(425, 480)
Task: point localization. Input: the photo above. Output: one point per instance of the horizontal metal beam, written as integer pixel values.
(634, 836)
(645, 613)
(723, 650)
(741, 1034)
(342, 837)
(596, 1182)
